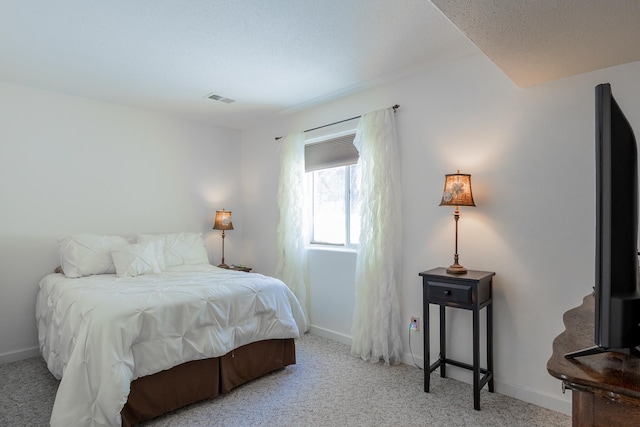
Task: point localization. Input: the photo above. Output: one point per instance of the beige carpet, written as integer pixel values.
(327, 387)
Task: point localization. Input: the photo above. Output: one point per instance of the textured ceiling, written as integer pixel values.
(267, 55)
(542, 40)
(280, 55)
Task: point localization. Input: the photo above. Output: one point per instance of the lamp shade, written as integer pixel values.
(457, 190)
(223, 220)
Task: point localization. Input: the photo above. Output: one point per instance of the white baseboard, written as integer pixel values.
(534, 397)
(332, 335)
(19, 355)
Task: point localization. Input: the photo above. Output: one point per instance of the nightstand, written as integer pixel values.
(239, 268)
(470, 291)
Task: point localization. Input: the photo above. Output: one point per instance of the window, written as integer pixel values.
(332, 172)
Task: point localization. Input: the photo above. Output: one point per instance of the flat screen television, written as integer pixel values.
(617, 297)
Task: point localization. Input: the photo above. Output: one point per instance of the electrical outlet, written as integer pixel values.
(414, 324)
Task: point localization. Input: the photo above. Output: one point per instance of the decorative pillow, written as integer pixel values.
(136, 259)
(87, 254)
(180, 248)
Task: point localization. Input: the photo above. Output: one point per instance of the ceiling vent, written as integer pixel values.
(220, 98)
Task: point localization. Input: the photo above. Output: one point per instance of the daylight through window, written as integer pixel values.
(332, 171)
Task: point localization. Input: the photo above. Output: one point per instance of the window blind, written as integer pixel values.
(330, 153)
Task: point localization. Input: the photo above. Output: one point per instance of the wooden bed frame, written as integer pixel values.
(157, 394)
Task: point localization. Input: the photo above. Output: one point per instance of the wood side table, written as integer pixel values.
(605, 387)
(470, 291)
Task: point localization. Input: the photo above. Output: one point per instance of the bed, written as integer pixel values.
(134, 330)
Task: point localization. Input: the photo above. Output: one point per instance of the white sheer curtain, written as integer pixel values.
(292, 228)
(376, 321)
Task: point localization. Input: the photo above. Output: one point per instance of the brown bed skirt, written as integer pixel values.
(191, 382)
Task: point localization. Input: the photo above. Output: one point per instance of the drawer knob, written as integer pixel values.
(447, 292)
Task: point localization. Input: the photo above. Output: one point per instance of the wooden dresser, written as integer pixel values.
(605, 387)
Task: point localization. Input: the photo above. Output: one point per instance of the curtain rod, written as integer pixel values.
(395, 107)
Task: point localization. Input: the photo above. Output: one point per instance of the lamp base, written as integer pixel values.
(223, 265)
(456, 269)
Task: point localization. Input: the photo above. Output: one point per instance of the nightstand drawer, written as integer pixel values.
(449, 293)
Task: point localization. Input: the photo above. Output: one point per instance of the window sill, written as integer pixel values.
(331, 248)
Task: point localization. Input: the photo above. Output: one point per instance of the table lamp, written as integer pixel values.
(457, 192)
(223, 222)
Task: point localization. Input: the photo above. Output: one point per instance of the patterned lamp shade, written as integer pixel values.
(457, 190)
(223, 220)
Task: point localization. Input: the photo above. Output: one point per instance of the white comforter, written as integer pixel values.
(99, 333)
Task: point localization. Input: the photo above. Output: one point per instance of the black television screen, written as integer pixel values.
(617, 299)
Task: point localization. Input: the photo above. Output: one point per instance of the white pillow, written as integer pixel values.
(87, 254)
(180, 248)
(136, 259)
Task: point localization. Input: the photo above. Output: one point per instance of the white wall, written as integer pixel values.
(71, 165)
(531, 156)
